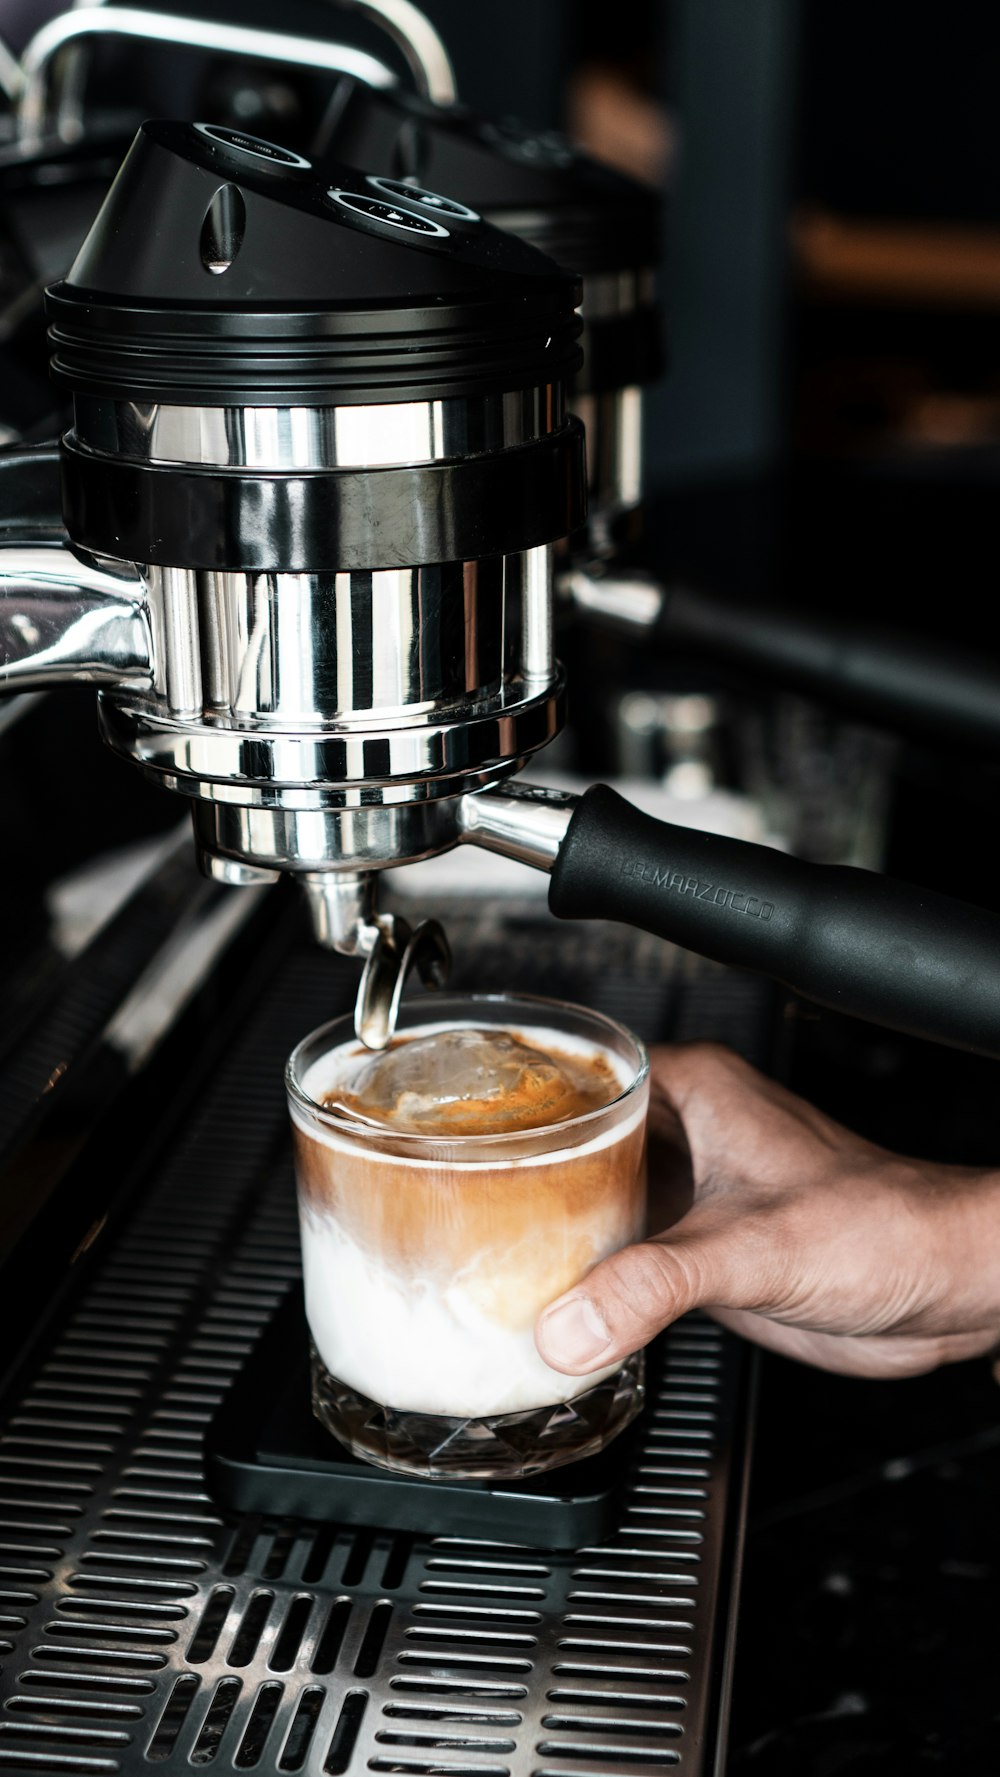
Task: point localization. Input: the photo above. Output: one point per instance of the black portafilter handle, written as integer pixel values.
(849, 939)
(893, 680)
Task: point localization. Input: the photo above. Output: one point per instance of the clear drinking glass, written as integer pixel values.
(428, 1258)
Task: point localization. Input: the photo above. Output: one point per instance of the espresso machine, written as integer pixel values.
(308, 560)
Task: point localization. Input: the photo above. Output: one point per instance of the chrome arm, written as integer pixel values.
(10, 73)
(34, 108)
(890, 679)
(13, 708)
(65, 616)
(417, 40)
(631, 603)
(409, 29)
(518, 820)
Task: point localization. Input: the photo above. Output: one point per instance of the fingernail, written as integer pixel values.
(574, 1332)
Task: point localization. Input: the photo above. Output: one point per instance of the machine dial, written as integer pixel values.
(254, 148)
(373, 210)
(431, 200)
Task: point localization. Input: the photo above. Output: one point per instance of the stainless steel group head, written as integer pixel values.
(318, 459)
(335, 446)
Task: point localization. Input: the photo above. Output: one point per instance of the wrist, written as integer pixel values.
(964, 1233)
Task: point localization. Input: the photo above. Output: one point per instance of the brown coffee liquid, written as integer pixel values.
(545, 1086)
(510, 1228)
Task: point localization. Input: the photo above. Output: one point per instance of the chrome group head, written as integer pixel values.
(318, 460)
(332, 720)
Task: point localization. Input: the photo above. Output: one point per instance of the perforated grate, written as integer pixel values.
(140, 1628)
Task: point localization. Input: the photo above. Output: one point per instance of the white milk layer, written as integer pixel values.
(415, 1344)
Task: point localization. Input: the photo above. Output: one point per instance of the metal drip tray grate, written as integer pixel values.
(142, 1628)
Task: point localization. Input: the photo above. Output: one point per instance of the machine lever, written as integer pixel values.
(894, 680)
(860, 943)
(61, 38)
(928, 689)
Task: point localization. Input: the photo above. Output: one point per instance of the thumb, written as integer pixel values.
(634, 1294)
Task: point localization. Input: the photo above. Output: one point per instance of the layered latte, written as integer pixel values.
(451, 1187)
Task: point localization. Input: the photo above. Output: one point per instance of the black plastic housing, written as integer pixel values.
(224, 272)
(901, 956)
(583, 214)
(588, 217)
(319, 300)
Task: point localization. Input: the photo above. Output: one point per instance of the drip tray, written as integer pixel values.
(265, 1452)
(144, 1630)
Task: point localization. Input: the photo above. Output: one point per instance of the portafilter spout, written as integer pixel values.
(345, 917)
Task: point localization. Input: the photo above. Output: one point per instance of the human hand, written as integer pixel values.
(791, 1230)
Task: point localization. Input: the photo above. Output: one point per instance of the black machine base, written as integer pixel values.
(266, 1452)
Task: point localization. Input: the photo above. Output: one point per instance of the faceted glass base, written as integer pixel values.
(505, 1446)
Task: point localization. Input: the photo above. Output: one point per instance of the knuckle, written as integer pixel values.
(706, 1076)
(650, 1284)
(715, 1060)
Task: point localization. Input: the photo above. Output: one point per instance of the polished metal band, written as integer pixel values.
(325, 720)
(247, 824)
(316, 653)
(391, 765)
(310, 438)
(613, 424)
